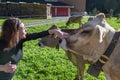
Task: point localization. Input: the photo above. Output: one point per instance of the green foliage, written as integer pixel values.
(114, 4)
(1, 21)
(103, 5)
(48, 63)
(95, 11)
(22, 9)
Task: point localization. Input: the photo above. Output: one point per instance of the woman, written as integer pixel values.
(13, 35)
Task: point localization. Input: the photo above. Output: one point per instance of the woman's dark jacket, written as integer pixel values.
(15, 54)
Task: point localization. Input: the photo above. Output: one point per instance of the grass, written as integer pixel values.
(48, 63)
(24, 20)
(1, 21)
(114, 22)
(43, 63)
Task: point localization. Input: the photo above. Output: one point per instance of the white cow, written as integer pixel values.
(92, 40)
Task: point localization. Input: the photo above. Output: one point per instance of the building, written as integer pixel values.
(60, 7)
(67, 7)
(79, 6)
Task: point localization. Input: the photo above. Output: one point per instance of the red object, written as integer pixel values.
(53, 11)
(62, 11)
(58, 11)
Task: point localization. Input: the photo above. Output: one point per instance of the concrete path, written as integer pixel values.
(52, 21)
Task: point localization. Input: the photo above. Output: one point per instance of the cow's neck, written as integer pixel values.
(95, 52)
(99, 50)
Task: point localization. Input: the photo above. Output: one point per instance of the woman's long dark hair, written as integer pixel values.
(9, 31)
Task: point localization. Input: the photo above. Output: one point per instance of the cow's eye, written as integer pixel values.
(86, 32)
(52, 35)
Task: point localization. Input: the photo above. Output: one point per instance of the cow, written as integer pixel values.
(53, 42)
(74, 19)
(118, 17)
(92, 41)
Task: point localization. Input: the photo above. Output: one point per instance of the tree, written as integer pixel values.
(110, 4)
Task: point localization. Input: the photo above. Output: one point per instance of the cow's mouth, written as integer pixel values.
(63, 44)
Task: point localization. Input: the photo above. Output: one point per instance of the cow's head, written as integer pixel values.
(92, 39)
(52, 40)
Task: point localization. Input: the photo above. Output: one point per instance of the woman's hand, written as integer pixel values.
(59, 33)
(8, 68)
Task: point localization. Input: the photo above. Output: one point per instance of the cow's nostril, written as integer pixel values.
(41, 44)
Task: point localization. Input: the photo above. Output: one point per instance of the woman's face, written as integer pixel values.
(22, 31)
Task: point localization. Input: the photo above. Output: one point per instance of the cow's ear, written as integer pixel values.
(101, 15)
(101, 33)
(54, 27)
